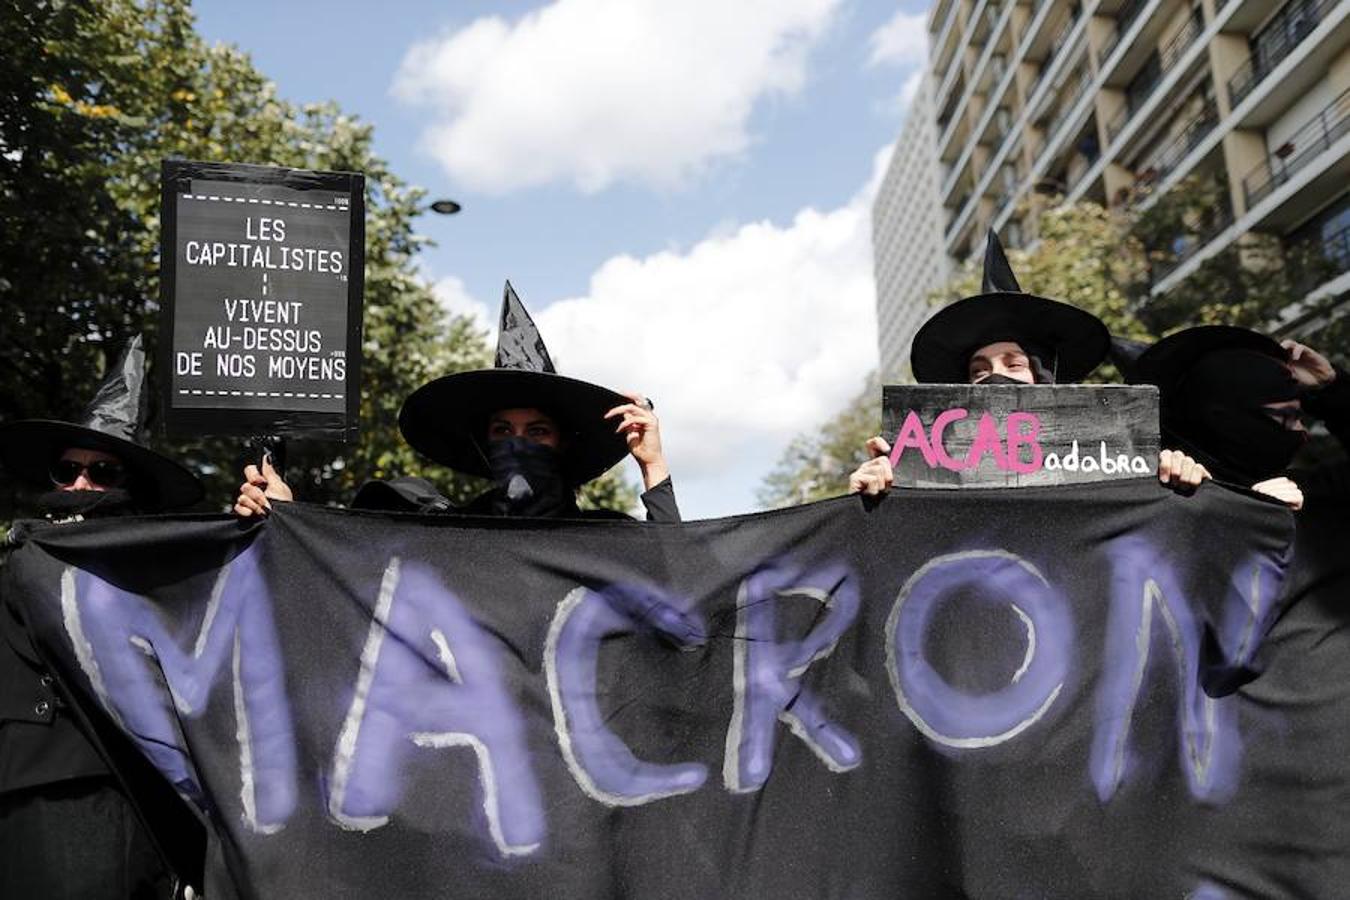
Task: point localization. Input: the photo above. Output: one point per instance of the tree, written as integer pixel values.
(1250, 283)
(92, 97)
(816, 465)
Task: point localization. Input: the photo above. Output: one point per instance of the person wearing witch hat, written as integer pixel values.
(1006, 336)
(537, 435)
(1234, 398)
(82, 814)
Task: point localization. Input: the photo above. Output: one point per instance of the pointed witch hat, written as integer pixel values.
(113, 422)
(1070, 342)
(446, 420)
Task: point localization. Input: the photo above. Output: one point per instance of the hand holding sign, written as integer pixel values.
(874, 476)
(258, 486)
(1179, 472)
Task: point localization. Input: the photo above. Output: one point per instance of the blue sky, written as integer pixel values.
(679, 191)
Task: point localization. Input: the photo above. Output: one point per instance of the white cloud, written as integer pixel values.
(910, 89)
(744, 340)
(902, 41)
(595, 92)
(455, 299)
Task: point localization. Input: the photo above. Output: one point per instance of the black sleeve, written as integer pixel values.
(1331, 405)
(660, 502)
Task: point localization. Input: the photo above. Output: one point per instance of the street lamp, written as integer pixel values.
(445, 207)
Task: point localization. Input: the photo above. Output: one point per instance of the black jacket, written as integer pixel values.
(46, 740)
(1329, 482)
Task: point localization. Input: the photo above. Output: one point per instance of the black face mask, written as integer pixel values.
(529, 480)
(60, 505)
(998, 379)
(1217, 414)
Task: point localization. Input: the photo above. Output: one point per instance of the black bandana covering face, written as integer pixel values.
(1218, 413)
(529, 480)
(64, 505)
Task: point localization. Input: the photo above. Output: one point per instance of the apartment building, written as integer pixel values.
(1096, 99)
(909, 257)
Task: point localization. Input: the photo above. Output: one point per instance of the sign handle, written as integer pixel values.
(269, 446)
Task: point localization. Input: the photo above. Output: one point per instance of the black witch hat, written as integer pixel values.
(1166, 363)
(446, 420)
(1070, 342)
(113, 422)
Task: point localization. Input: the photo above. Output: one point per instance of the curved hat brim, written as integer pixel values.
(446, 420)
(28, 448)
(1166, 363)
(942, 348)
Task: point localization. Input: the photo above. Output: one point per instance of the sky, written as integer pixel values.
(680, 192)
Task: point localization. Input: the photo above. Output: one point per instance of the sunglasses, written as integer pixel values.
(104, 472)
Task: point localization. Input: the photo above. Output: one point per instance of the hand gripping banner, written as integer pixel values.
(1058, 692)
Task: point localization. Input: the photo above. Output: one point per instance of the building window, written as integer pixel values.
(1285, 29)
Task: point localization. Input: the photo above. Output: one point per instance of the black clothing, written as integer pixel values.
(77, 840)
(410, 494)
(532, 481)
(81, 810)
(39, 743)
(1331, 406)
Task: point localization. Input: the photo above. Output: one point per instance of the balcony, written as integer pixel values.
(1171, 155)
(1124, 19)
(1069, 100)
(1186, 247)
(1168, 56)
(1271, 53)
(1302, 147)
(1330, 260)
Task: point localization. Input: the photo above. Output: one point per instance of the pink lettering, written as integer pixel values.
(945, 418)
(1017, 439)
(912, 435)
(987, 442)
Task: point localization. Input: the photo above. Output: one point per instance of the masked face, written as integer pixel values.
(529, 478)
(1239, 411)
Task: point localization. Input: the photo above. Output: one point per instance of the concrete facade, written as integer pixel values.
(909, 258)
(1117, 101)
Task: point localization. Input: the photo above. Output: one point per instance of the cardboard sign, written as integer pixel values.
(951, 436)
(261, 291)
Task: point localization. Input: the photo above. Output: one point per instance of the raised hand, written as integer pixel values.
(258, 487)
(640, 427)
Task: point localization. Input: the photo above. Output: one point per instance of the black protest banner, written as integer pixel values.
(945, 435)
(262, 272)
(1061, 692)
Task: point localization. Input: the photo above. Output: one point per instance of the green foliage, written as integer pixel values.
(816, 465)
(610, 491)
(92, 97)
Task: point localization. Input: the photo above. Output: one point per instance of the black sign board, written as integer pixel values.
(261, 289)
(949, 436)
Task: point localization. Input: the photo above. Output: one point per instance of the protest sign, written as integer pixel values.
(1017, 435)
(1108, 692)
(261, 293)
